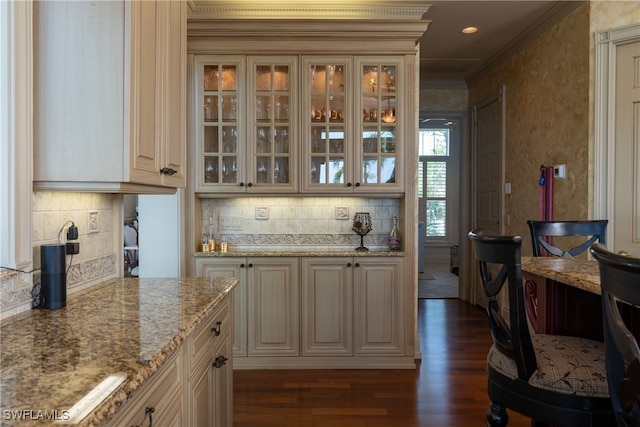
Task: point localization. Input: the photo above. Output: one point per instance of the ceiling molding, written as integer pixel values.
(410, 10)
(552, 16)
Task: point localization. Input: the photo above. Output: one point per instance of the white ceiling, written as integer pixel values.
(447, 54)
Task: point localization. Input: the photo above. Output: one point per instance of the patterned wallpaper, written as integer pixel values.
(547, 120)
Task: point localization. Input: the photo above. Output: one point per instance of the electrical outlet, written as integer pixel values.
(93, 223)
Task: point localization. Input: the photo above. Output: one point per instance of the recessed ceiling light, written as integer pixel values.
(469, 30)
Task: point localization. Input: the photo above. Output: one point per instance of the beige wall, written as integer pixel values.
(547, 120)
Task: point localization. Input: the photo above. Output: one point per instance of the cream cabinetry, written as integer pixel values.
(338, 311)
(210, 380)
(350, 129)
(110, 96)
(352, 306)
(273, 307)
(246, 130)
(266, 302)
(379, 306)
(231, 267)
(160, 400)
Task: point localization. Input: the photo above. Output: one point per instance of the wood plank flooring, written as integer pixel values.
(448, 388)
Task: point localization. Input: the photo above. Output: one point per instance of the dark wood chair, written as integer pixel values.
(620, 281)
(555, 380)
(592, 231)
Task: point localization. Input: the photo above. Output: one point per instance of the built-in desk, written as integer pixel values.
(562, 297)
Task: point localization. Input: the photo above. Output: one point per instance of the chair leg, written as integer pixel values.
(497, 415)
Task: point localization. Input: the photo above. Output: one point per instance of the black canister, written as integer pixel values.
(53, 280)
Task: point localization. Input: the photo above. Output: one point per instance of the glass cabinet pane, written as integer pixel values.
(272, 126)
(326, 108)
(379, 103)
(220, 99)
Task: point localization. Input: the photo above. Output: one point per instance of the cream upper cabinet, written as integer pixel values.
(350, 124)
(110, 96)
(246, 138)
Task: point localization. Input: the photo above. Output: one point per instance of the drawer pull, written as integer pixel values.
(220, 362)
(149, 410)
(216, 330)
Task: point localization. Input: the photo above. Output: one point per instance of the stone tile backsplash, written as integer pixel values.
(309, 222)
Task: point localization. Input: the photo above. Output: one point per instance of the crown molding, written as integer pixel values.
(408, 10)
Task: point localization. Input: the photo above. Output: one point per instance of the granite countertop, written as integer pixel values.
(582, 274)
(300, 252)
(122, 329)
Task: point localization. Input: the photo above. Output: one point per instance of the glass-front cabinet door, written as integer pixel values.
(327, 122)
(220, 153)
(272, 134)
(379, 145)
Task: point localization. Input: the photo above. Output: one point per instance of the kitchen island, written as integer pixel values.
(79, 365)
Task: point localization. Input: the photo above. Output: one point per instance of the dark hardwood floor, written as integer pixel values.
(448, 388)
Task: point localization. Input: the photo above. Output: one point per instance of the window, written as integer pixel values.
(433, 169)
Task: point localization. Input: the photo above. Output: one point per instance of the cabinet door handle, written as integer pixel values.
(220, 362)
(349, 184)
(168, 171)
(250, 184)
(242, 265)
(241, 184)
(357, 264)
(348, 264)
(357, 184)
(249, 265)
(148, 411)
(216, 330)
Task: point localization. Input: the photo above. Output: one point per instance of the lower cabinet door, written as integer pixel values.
(211, 390)
(327, 301)
(273, 306)
(379, 306)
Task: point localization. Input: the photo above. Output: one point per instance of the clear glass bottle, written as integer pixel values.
(395, 240)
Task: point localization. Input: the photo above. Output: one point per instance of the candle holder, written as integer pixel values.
(362, 226)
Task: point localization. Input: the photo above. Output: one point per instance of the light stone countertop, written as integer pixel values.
(300, 252)
(50, 359)
(582, 274)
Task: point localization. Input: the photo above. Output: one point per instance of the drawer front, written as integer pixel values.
(203, 342)
(163, 393)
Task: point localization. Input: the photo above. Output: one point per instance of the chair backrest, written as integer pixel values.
(592, 231)
(501, 255)
(130, 236)
(620, 281)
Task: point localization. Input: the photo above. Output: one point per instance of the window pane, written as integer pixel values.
(434, 142)
(436, 218)
(436, 179)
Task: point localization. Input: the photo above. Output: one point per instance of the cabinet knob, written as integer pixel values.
(242, 265)
(168, 171)
(349, 184)
(348, 264)
(220, 362)
(250, 184)
(357, 184)
(216, 330)
(249, 265)
(357, 264)
(241, 184)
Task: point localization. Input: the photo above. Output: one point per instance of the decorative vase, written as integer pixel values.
(395, 240)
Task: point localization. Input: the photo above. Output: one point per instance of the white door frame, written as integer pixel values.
(607, 42)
